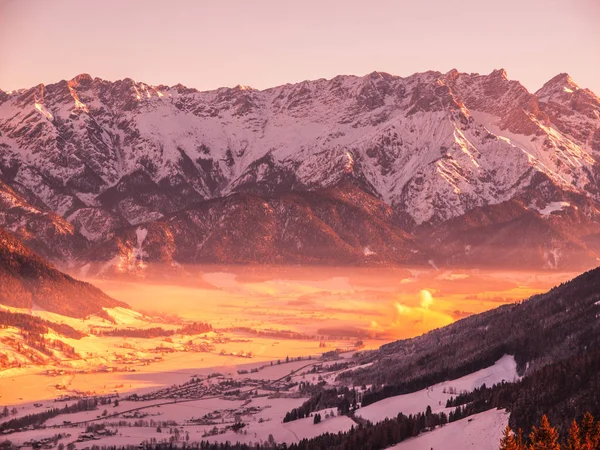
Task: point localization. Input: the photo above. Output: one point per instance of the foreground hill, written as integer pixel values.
(545, 328)
(106, 157)
(553, 337)
(28, 281)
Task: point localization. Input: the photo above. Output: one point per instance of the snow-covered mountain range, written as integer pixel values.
(450, 167)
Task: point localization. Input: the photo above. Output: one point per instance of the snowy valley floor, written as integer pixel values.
(260, 402)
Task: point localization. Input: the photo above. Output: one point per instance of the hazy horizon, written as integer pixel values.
(208, 46)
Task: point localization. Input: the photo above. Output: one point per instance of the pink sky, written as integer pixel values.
(206, 45)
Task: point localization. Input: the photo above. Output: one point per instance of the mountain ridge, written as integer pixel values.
(106, 155)
(85, 77)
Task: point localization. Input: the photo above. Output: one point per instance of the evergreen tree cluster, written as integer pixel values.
(39, 418)
(32, 324)
(342, 398)
(581, 436)
(154, 332)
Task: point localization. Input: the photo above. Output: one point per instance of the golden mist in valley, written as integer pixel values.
(374, 304)
(259, 315)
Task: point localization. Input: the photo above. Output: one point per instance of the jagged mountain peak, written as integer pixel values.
(84, 81)
(82, 78)
(572, 109)
(561, 78)
(452, 74)
(243, 87)
(560, 85)
(499, 73)
(380, 75)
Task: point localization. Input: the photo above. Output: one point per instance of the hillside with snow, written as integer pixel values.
(104, 160)
(29, 282)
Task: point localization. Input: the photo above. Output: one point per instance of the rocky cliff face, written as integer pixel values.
(104, 160)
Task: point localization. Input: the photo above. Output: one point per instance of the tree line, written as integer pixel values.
(153, 332)
(36, 325)
(342, 398)
(584, 435)
(38, 419)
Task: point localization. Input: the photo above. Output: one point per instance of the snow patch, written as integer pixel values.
(482, 431)
(552, 207)
(138, 252)
(350, 163)
(44, 111)
(124, 316)
(505, 369)
(552, 258)
(141, 234)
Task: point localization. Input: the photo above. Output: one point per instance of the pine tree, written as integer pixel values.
(520, 440)
(545, 437)
(574, 440)
(508, 441)
(590, 433)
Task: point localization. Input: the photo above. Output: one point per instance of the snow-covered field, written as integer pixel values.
(262, 413)
(254, 433)
(261, 402)
(478, 432)
(505, 369)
